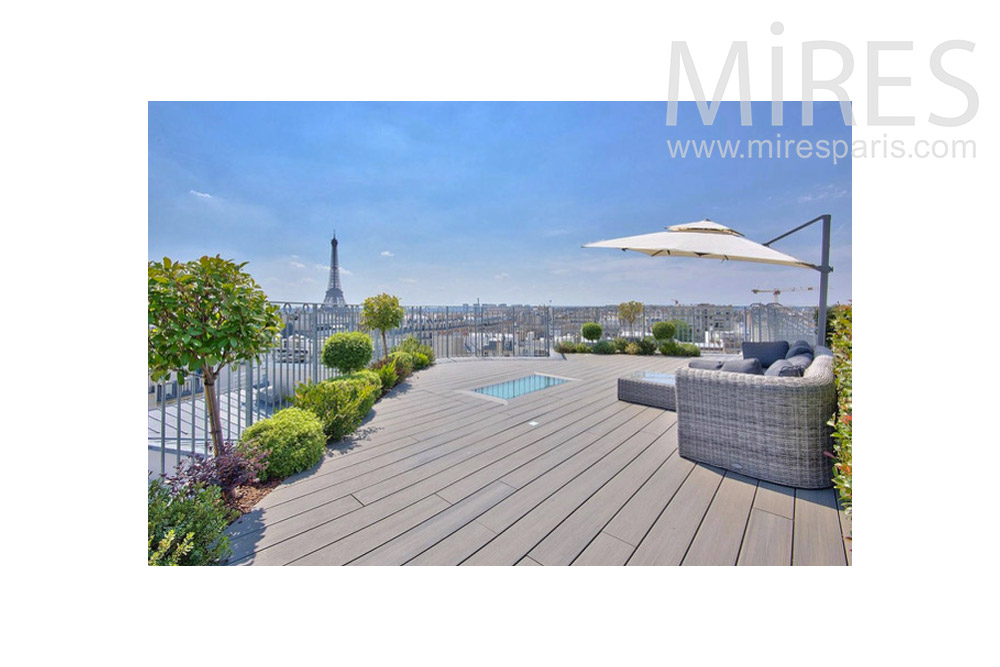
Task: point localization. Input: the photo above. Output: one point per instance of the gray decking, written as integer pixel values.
(567, 475)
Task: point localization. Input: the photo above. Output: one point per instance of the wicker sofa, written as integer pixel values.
(771, 428)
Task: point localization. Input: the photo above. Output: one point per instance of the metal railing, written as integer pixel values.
(178, 424)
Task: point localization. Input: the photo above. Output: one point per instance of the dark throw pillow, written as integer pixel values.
(783, 368)
(706, 364)
(768, 353)
(796, 350)
(748, 366)
(801, 361)
(802, 343)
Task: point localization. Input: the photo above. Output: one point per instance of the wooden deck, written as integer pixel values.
(567, 475)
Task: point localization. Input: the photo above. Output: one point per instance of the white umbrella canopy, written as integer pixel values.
(704, 239)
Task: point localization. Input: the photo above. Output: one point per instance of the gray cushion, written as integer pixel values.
(749, 366)
(768, 353)
(801, 361)
(783, 368)
(802, 343)
(796, 350)
(706, 364)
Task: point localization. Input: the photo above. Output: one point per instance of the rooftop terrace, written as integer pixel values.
(567, 475)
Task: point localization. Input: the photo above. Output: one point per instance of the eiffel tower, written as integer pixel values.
(334, 294)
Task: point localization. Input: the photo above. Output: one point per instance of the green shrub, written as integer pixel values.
(632, 348)
(591, 331)
(405, 363)
(386, 369)
(621, 344)
(415, 347)
(604, 347)
(366, 374)
(647, 346)
(291, 440)
(664, 330)
(672, 348)
(565, 347)
(841, 343)
(187, 528)
(420, 360)
(348, 352)
(583, 348)
(341, 404)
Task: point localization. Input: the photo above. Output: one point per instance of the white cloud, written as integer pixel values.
(408, 281)
(828, 191)
(502, 276)
(203, 195)
(386, 253)
(346, 272)
(297, 265)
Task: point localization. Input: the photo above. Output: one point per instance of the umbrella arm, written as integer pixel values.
(824, 271)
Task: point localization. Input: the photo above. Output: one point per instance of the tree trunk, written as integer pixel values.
(385, 347)
(214, 418)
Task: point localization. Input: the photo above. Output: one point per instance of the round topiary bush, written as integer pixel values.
(664, 330)
(591, 331)
(604, 347)
(348, 352)
(290, 441)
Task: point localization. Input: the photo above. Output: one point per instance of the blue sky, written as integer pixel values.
(444, 203)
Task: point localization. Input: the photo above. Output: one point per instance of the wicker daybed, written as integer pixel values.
(771, 428)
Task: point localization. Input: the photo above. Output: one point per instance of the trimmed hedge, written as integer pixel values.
(291, 441)
(672, 348)
(348, 352)
(341, 403)
(187, 528)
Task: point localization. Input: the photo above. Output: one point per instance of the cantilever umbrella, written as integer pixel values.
(711, 240)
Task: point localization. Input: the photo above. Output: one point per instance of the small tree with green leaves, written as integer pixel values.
(663, 331)
(591, 331)
(382, 312)
(204, 315)
(629, 312)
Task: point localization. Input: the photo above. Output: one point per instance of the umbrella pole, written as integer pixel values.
(824, 271)
(824, 280)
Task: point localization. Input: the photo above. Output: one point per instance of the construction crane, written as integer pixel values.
(778, 290)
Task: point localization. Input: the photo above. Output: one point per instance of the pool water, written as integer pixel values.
(520, 386)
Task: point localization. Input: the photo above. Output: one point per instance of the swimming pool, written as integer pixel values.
(520, 386)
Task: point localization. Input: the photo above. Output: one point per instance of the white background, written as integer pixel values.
(77, 79)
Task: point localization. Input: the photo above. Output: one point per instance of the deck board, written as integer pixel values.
(565, 475)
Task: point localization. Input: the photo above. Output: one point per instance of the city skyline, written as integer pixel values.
(450, 202)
